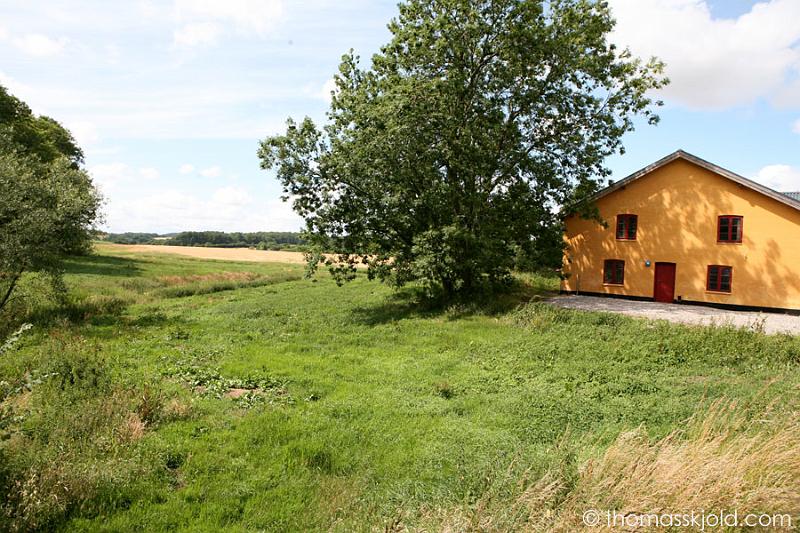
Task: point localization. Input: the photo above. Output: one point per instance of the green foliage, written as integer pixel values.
(445, 160)
(40, 137)
(263, 240)
(46, 214)
(47, 203)
(130, 238)
(209, 382)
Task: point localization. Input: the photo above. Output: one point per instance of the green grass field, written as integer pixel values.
(356, 408)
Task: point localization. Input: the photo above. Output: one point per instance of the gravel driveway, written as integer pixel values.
(686, 314)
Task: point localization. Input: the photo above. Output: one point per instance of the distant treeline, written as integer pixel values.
(132, 238)
(261, 240)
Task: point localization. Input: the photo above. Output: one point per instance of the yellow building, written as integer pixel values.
(685, 230)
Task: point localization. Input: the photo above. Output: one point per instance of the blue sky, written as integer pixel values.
(170, 98)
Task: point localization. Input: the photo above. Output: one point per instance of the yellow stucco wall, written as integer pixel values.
(678, 205)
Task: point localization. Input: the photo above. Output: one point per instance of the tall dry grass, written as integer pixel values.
(723, 459)
(216, 276)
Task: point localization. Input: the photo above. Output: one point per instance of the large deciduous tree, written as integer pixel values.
(47, 202)
(40, 137)
(452, 153)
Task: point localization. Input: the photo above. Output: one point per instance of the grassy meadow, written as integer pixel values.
(169, 393)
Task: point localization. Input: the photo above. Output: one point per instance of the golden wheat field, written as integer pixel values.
(199, 252)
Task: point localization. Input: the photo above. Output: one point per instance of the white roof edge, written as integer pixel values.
(680, 154)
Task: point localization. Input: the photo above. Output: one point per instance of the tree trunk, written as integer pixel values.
(9, 291)
(449, 288)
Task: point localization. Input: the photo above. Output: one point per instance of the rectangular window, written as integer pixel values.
(729, 228)
(613, 272)
(719, 278)
(626, 227)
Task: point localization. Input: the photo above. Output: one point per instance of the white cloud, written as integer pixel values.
(233, 196)
(159, 108)
(796, 127)
(782, 178)
(109, 176)
(113, 54)
(227, 209)
(16, 88)
(195, 34)
(93, 151)
(84, 132)
(149, 9)
(211, 172)
(38, 45)
(186, 168)
(149, 173)
(788, 96)
(250, 16)
(328, 88)
(715, 63)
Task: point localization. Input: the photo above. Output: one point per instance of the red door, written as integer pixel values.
(664, 290)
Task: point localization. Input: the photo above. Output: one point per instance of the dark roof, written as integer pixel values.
(790, 199)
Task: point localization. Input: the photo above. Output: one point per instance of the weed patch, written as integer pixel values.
(70, 434)
(245, 392)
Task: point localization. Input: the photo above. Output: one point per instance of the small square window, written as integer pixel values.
(626, 227)
(729, 228)
(719, 278)
(614, 272)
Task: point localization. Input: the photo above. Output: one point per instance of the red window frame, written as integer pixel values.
(625, 230)
(613, 272)
(728, 234)
(716, 284)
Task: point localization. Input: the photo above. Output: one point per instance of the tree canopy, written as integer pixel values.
(449, 157)
(47, 201)
(37, 136)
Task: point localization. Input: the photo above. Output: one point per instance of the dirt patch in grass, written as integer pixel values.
(237, 393)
